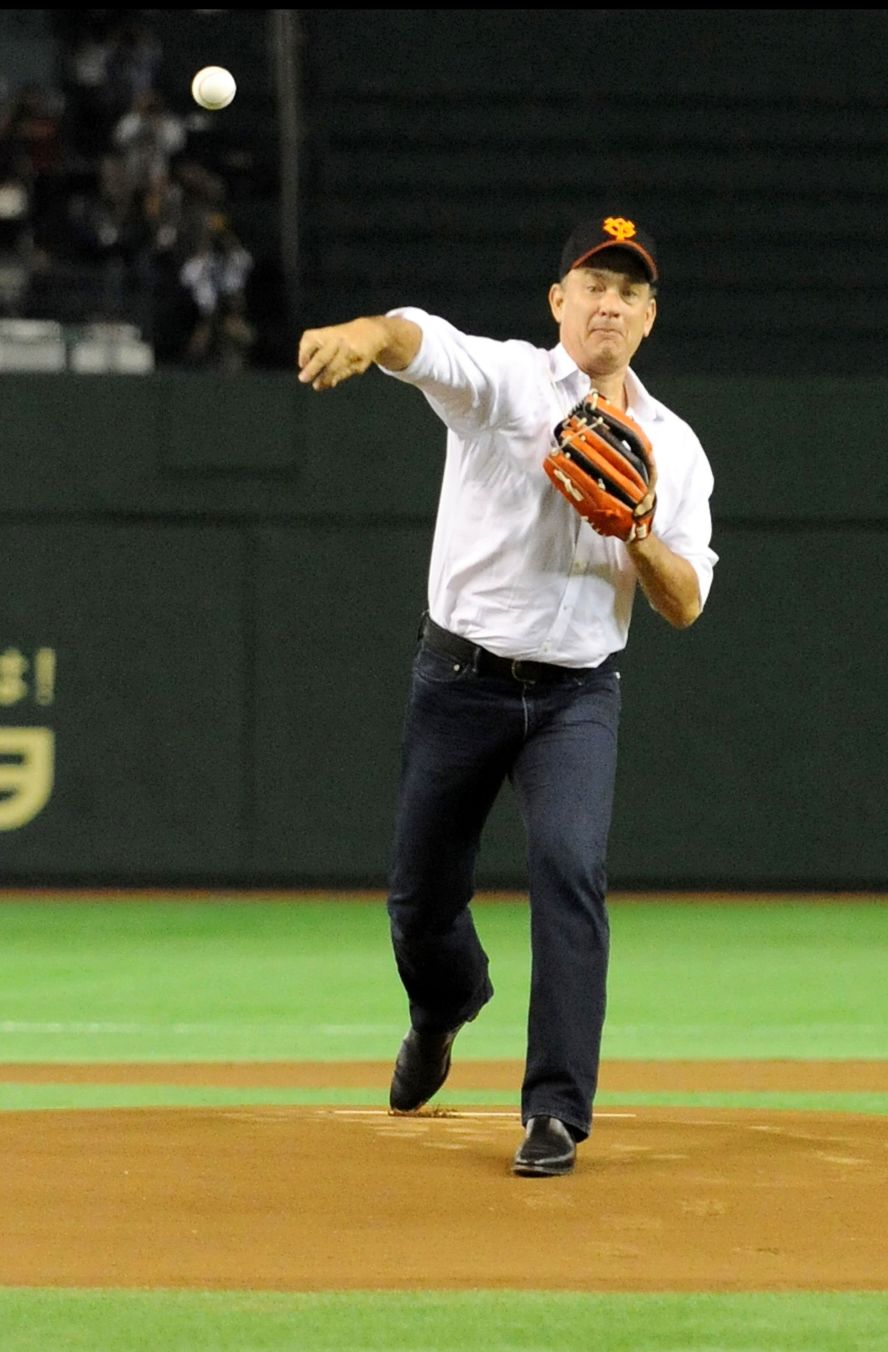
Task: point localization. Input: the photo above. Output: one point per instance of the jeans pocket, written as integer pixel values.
(438, 669)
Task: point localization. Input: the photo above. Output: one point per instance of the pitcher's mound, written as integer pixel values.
(329, 1198)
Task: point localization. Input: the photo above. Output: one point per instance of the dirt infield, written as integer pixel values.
(298, 1198)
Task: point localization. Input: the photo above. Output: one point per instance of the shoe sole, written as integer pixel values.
(543, 1170)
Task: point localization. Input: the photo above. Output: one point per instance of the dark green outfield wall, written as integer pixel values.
(210, 593)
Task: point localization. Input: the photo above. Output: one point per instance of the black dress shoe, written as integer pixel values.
(422, 1066)
(547, 1149)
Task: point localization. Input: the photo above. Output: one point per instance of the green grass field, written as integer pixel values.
(269, 979)
(502, 1321)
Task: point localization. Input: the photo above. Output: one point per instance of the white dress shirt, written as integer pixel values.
(513, 566)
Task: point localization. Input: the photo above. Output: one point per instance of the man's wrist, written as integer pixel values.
(400, 341)
(640, 545)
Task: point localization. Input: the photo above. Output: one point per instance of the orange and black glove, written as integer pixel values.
(604, 465)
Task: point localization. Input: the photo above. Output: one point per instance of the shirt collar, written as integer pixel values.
(564, 368)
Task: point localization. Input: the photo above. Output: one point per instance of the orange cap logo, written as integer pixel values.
(620, 228)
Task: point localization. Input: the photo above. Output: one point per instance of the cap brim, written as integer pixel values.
(650, 265)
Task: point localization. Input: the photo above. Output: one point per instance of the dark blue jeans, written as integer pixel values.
(464, 735)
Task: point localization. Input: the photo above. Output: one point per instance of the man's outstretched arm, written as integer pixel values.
(330, 355)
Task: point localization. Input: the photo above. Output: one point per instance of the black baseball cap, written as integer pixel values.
(608, 231)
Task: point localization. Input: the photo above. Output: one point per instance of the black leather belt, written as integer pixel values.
(488, 664)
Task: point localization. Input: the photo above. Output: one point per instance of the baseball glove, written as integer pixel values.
(604, 465)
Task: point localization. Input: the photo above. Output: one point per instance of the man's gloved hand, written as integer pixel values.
(604, 466)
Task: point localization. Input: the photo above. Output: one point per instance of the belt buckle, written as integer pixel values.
(517, 663)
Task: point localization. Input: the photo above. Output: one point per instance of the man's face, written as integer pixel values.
(603, 313)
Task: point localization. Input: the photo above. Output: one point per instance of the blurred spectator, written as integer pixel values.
(143, 143)
(203, 200)
(137, 171)
(132, 64)
(83, 69)
(31, 167)
(215, 277)
(15, 189)
(15, 243)
(182, 214)
(15, 212)
(32, 142)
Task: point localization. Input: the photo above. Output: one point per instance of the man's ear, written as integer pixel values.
(556, 301)
(650, 316)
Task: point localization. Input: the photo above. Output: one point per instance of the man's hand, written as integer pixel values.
(330, 355)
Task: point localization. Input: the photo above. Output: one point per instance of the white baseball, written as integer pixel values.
(213, 87)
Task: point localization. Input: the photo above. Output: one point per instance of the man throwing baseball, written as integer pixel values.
(565, 485)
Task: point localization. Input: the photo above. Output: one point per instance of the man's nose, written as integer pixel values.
(610, 298)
